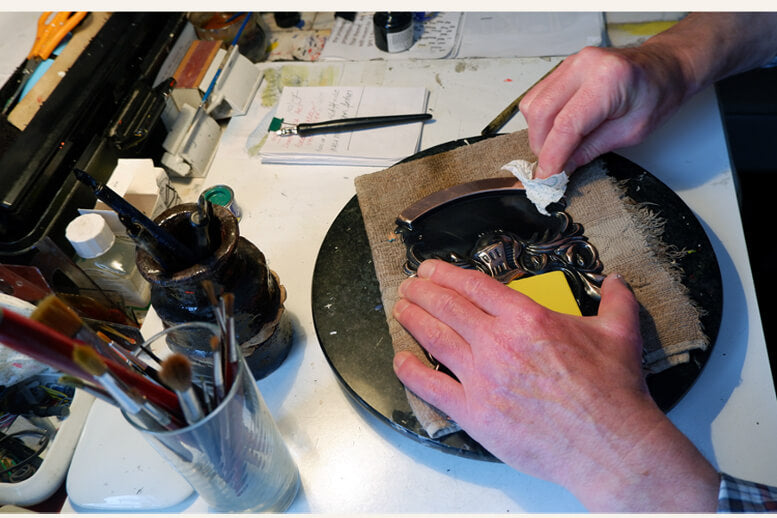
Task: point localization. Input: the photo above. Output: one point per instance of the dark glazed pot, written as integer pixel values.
(262, 328)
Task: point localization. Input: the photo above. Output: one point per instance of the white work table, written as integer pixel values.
(350, 461)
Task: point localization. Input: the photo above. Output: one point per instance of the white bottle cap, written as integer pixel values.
(90, 235)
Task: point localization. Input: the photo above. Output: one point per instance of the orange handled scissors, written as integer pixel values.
(51, 32)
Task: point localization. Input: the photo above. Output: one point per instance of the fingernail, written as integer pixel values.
(539, 173)
(399, 360)
(403, 287)
(426, 269)
(617, 277)
(399, 307)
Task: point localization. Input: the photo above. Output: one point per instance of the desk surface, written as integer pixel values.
(349, 460)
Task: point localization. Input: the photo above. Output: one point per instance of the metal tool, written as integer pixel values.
(51, 32)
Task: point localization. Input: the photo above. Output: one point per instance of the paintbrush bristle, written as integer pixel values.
(176, 372)
(54, 313)
(207, 284)
(88, 359)
(229, 303)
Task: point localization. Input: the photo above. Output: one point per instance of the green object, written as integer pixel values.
(275, 125)
(224, 196)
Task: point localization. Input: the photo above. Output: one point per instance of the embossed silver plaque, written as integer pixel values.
(490, 225)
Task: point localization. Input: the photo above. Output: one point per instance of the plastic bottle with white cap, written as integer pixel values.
(109, 260)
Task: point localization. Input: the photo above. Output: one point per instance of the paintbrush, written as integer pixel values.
(508, 113)
(56, 314)
(218, 370)
(113, 334)
(177, 374)
(132, 404)
(159, 417)
(223, 63)
(210, 290)
(232, 354)
(98, 392)
(130, 359)
(56, 350)
(208, 437)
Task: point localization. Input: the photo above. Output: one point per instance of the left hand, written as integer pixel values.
(557, 396)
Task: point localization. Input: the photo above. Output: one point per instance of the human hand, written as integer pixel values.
(599, 100)
(602, 99)
(555, 396)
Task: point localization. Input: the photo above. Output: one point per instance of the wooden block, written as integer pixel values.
(191, 70)
(195, 63)
(26, 109)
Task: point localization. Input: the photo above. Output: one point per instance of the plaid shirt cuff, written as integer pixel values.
(739, 496)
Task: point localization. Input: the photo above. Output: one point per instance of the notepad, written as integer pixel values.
(379, 147)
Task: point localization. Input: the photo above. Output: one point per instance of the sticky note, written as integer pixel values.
(549, 289)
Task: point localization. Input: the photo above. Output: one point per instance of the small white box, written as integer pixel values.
(143, 185)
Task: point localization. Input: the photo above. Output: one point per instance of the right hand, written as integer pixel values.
(599, 100)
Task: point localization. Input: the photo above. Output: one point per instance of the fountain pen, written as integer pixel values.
(354, 123)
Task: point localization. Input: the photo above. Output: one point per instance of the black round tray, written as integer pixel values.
(351, 324)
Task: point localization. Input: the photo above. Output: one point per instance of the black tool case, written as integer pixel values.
(38, 194)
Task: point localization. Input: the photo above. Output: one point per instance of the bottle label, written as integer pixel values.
(399, 41)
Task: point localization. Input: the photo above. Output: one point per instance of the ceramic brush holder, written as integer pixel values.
(234, 265)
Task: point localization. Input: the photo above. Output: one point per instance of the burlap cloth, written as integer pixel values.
(626, 235)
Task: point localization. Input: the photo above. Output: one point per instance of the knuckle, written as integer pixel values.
(446, 303)
(541, 319)
(589, 150)
(476, 283)
(568, 123)
(435, 336)
(541, 105)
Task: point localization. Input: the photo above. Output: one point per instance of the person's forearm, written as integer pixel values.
(712, 46)
(664, 472)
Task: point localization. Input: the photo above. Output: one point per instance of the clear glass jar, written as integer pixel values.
(107, 259)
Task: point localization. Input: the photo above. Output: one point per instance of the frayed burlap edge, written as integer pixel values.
(383, 195)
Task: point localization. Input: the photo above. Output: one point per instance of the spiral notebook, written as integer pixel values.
(379, 147)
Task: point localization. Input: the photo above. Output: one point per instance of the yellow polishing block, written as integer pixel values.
(550, 290)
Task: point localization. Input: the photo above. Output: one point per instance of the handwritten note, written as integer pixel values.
(369, 147)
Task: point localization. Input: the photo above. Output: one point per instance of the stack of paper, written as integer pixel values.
(380, 147)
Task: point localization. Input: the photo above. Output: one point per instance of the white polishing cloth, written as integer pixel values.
(540, 192)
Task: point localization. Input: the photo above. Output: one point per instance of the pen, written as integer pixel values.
(512, 109)
(337, 125)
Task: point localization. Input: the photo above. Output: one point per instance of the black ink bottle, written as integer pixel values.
(393, 31)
